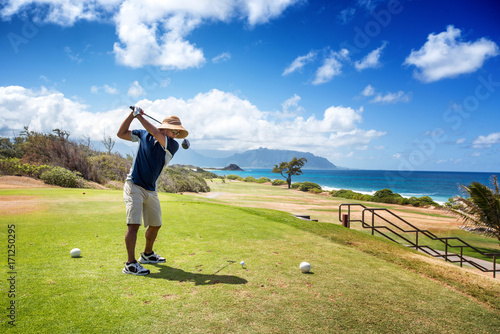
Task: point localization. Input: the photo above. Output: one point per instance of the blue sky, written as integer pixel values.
(400, 85)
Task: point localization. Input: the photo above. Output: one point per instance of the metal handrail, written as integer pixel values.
(424, 248)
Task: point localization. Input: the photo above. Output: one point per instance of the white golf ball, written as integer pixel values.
(75, 252)
(305, 267)
(242, 263)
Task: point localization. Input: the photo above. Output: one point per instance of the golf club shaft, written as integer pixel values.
(154, 119)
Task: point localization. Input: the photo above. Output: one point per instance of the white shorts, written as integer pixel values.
(141, 203)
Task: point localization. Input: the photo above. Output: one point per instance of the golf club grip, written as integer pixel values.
(154, 119)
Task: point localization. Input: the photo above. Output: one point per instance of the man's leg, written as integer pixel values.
(132, 266)
(148, 256)
(151, 233)
(152, 220)
(133, 197)
(130, 241)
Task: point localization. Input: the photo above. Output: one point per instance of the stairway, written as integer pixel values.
(395, 228)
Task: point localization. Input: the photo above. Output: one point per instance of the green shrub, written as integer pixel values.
(208, 175)
(427, 201)
(263, 180)
(234, 177)
(278, 182)
(344, 193)
(315, 190)
(13, 166)
(452, 204)
(404, 201)
(386, 196)
(62, 177)
(250, 179)
(307, 186)
(179, 179)
(414, 201)
(422, 201)
(110, 167)
(366, 198)
(296, 185)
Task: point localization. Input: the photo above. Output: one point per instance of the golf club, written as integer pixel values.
(154, 119)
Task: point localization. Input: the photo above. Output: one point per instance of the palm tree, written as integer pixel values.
(481, 209)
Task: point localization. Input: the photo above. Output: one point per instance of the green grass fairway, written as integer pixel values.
(326, 208)
(358, 283)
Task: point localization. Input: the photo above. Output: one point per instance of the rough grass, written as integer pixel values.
(358, 283)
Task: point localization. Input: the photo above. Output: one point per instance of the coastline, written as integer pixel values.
(440, 186)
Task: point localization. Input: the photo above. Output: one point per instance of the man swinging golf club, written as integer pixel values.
(156, 148)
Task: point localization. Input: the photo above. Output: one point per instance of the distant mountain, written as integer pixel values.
(262, 157)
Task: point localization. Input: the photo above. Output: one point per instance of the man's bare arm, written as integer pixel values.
(123, 131)
(153, 130)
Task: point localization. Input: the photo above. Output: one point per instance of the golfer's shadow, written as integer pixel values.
(175, 274)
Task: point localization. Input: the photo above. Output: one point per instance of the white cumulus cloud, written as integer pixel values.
(486, 141)
(262, 11)
(44, 110)
(135, 90)
(332, 66)
(215, 120)
(368, 91)
(225, 56)
(371, 60)
(388, 98)
(106, 88)
(291, 107)
(345, 16)
(446, 55)
(153, 32)
(61, 12)
(299, 63)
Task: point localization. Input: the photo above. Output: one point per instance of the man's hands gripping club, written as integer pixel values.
(138, 111)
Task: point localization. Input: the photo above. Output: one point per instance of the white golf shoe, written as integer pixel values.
(153, 258)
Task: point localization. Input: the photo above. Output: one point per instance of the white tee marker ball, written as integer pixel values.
(75, 252)
(242, 263)
(305, 267)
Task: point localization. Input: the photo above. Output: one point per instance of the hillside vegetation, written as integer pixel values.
(57, 160)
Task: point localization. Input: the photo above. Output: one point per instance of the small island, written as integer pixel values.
(232, 167)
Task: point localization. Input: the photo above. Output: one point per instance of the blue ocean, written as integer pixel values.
(440, 186)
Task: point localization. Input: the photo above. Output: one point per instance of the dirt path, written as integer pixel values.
(14, 182)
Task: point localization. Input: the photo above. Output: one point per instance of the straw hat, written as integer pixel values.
(174, 123)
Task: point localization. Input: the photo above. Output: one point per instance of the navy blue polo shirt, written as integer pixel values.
(150, 159)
